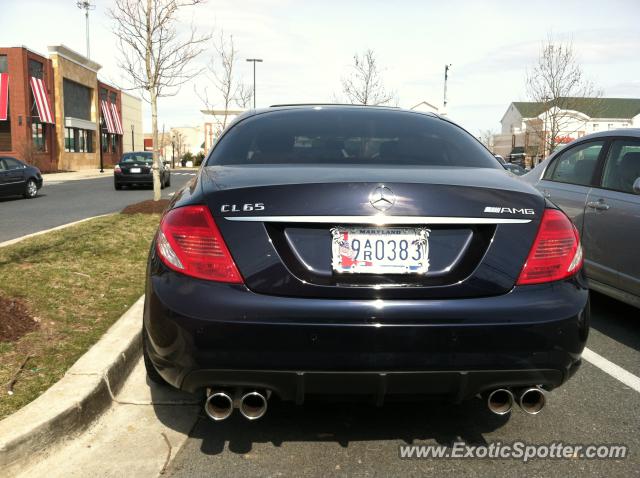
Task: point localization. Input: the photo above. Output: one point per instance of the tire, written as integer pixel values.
(117, 186)
(169, 181)
(162, 182)
(30, 189)
(152, 373)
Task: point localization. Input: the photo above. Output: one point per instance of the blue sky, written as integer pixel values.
(307, 46)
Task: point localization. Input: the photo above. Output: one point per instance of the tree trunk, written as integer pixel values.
(156, 146)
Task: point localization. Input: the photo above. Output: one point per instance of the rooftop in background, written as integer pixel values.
(593, 107)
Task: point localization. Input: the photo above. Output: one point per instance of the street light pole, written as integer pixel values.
(86, 5)
(446, 77)
(133, 141)
(254, 61)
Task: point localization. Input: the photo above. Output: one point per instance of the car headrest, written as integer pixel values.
(629, 170)
(583, 170)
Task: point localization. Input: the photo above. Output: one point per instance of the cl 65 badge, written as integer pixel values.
(258, 206)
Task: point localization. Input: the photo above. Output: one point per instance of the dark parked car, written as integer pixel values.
(362, 251)
(511, 167)
(135, 169)
(18, 178)
(596, 181)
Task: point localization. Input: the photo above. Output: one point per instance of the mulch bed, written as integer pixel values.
(15, 319)
(147, 207)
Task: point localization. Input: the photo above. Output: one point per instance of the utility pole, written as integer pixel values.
(446, 77)
(133, 141)
(254, 61)
(86, 5)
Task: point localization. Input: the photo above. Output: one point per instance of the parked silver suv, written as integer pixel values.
(596, 181)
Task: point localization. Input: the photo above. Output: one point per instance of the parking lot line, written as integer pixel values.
(612, 369)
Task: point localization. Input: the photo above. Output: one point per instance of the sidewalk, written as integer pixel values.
(143, 430)
(51, 178)
(55, 178)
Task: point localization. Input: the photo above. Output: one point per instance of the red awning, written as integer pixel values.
(4, 96)
(117, 123)
(106, 115)
(42, 100)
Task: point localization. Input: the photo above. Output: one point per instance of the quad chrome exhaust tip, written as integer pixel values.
(253, 405)
(532, 400)
(219, 405)
(500, 401)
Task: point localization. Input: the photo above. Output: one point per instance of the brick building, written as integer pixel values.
(111, 133)
(27, 132)
(59, 116)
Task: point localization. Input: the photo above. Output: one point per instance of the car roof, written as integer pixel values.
(625, 132)
(332, 106)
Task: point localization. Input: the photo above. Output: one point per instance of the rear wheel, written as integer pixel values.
(152, 373)
(117, 186)
(168, 181)
(31, 189)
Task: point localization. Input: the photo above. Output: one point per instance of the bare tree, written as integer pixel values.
(364, 85)
(221, 73)
(558, 83)
(153, 56)
(486, 138)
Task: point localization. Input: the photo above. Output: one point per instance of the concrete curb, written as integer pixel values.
(56, 228)
(76, 400)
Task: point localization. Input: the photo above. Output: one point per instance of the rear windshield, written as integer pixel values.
(137, 158)
(349, 136)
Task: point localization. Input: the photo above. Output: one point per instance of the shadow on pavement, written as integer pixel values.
(175, 409)
(19, 197)
(616, 320)
(348, 422)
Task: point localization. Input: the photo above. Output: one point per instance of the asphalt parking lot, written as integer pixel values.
(63, 202)
(352, 440)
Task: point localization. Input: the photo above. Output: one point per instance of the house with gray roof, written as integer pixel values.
(525, 122)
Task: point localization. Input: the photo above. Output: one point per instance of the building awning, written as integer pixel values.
(106, 115)
(71, 122)
(4, 96)
(117, 123)
(41, 96)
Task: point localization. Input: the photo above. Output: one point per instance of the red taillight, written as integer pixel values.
(117, 169)
(189, 242)
(556, 253)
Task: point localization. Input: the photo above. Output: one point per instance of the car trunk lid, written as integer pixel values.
(278, 223)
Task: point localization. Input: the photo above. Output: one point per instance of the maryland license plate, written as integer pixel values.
(380, 250)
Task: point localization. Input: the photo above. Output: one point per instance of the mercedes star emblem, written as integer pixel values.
(382, 198)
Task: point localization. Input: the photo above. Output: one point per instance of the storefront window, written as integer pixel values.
(5, 135)
(39, 136)
(77, 100)
(5, 126)
(105, 142)
(78, 140)
(36, 69)
(114, 143)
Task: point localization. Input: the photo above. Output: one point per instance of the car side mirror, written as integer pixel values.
(636, 186)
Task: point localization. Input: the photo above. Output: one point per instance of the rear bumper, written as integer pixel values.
(202, 334)
(133, 178)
